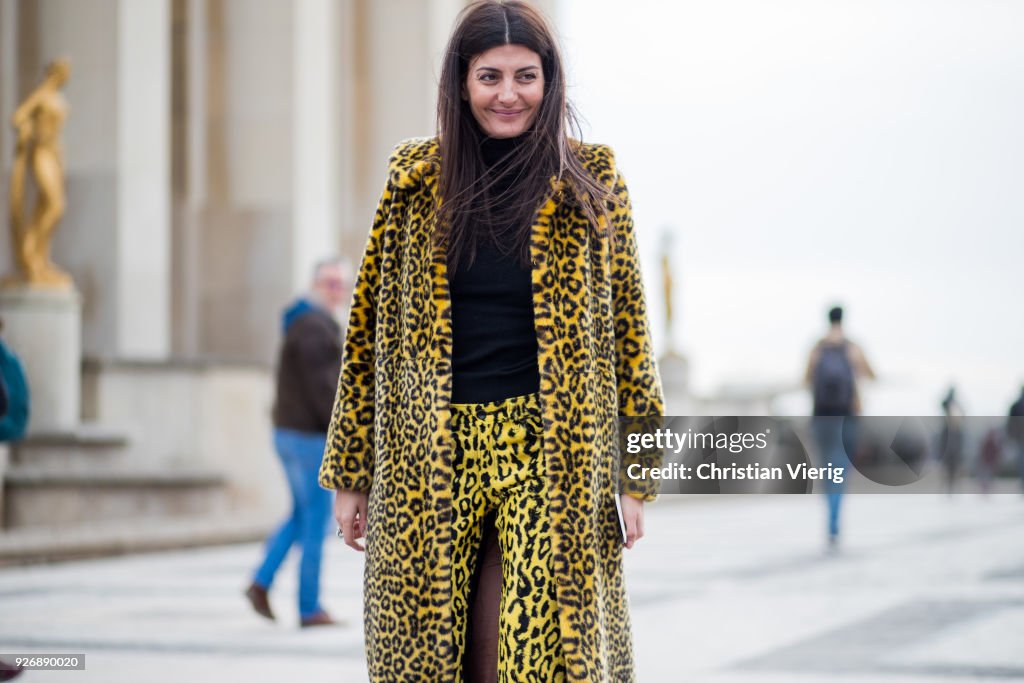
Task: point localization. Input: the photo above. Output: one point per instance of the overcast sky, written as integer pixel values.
(804, 152)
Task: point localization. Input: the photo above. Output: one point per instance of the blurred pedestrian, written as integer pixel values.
(834, 369)
(13, 419)
(990, 454)
(3, 395)
(14, 394)
(1015, 433)
(307, 377)
(951, 439)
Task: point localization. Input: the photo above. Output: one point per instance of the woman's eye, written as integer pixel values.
(488, 78)
(529, 77)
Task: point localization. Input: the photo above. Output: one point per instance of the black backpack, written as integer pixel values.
(833, 381)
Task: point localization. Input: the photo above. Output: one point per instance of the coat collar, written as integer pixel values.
(420, 166)
(423, 167)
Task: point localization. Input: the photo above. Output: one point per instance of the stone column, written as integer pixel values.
(189, 171)
(395, 63)
(241, 167)
(257, 175)
(8, 97)
(143, 179)
(316, 124)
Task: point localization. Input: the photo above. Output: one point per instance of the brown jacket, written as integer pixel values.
(307, 372)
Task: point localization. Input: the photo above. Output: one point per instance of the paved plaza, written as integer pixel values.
(723, 589)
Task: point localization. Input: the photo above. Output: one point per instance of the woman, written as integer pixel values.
(494, 338)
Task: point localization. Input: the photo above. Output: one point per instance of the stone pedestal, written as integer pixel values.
(44, 327)
(675, 382)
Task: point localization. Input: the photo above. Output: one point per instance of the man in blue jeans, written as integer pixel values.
(307, 378)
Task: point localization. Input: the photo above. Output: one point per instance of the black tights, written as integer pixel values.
(481, 663)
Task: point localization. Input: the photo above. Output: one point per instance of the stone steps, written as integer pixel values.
(89, 475)
(85, 449)
(41, 497)
(155, 443)
(102, 539)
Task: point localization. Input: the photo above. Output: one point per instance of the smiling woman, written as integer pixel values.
(497, 328)
(505, 86)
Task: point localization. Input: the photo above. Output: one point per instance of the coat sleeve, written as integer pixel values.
(636, 371)
(348, 460)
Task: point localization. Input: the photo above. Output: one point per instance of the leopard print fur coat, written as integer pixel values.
(391, 433)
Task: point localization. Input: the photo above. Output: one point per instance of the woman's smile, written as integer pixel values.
(508, 112)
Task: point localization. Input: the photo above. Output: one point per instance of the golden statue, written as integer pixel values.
(667, 241)
(666, 285)
(38, 122)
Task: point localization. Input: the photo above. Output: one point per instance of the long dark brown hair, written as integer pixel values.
(469, 210)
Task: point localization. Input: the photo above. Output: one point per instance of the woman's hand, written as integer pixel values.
(350, 514)
(633, 516)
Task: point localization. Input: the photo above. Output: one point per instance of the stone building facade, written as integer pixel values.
(214, 151)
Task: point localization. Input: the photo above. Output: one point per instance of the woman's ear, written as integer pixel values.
(464, 92)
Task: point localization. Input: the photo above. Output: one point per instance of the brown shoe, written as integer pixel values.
(320, 619)
(258, 599)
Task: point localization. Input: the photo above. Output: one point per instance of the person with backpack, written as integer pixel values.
(834, 368)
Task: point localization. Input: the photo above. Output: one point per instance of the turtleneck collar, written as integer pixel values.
(493, 149)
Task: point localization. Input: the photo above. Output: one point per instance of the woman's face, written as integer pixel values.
(505, 86)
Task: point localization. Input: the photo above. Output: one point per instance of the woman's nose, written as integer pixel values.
(507, 94)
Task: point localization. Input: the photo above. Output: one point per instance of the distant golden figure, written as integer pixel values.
(38, 122)
(667, 242)
(666, 284)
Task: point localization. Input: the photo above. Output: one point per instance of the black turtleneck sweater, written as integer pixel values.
(494, 343)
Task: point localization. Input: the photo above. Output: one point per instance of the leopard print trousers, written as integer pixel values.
(500, 471)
